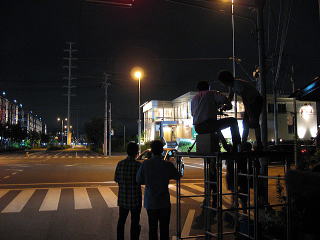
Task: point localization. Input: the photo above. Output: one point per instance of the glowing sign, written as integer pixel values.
(306, 111)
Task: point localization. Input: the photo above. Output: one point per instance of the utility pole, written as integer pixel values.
(69, 50)
(124, 136)
(275, 113)
(110, 130)
(234, 59)
(295, 121)
(262, 64)
(106, 133)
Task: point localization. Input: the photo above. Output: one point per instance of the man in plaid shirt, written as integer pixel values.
(129, 194)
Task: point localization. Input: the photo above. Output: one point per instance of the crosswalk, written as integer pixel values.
(16, 201)
(50, 156)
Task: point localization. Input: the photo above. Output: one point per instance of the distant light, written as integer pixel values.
(306, 111)
(15, 101)
(281, 140)
(20, 105)
(58, 119)
(137, 73)
(272, 140)
(3, 93)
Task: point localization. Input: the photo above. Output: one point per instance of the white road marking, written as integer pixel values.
(196, 187)
(51, 200)
(14, 173)
(3, 192)
(81, 198)
(185, 192)
(109, 197)
(55, 183)
(18, 203)
(187, 225)
(193, 166)
(6, 177)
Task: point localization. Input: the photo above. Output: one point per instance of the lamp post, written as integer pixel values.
(138, 74)
(62, 130)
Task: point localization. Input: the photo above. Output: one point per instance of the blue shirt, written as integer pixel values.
(155, 173)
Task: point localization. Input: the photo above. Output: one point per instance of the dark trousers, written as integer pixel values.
(135, 226)
(162, 217)
(212, 125)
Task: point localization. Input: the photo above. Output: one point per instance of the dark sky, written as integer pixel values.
(153, 34)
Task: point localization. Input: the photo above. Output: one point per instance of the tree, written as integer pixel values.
(94, 131)
(44, 138)
(34, 138)
(17, 133)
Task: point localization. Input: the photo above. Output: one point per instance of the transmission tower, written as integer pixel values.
(69, 50)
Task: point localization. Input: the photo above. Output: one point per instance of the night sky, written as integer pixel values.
(177, 45)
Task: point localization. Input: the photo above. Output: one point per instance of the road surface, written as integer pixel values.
(71, 194)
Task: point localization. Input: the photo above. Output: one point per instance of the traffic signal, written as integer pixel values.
(119, 3)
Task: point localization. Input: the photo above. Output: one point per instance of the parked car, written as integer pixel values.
(168, 155)
(304, 151)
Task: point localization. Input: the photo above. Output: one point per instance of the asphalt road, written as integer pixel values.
(71, 195)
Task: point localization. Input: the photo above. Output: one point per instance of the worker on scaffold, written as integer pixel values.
(204, 109)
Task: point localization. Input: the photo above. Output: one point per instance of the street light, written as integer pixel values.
(59, 119)
(137, 74)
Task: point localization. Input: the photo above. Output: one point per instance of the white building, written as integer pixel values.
(173, 120)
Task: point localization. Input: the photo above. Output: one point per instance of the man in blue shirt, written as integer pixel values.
(155, 173)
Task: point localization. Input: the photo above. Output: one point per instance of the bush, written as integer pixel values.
(145, 146)
(185, 144)
(54, 147)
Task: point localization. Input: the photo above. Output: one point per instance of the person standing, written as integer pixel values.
(252, 101)
(129, 195)
(155, 173)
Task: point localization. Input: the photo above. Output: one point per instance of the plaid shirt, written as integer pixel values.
(129, 194)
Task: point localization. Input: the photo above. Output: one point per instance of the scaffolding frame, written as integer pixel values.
(213, 161)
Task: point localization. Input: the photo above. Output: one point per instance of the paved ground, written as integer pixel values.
(71, 195)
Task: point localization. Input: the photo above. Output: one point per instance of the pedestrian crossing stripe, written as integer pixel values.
(51, 156)
(18, 203)
(51, 200)
(81, 198)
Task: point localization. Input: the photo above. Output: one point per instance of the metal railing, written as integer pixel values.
(250, 165)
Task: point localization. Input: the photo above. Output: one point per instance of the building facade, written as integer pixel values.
(12, 113)
(173, 121)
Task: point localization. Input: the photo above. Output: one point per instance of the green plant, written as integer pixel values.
(315, 159)
(273, 220)
(185, 144)
(145, 146)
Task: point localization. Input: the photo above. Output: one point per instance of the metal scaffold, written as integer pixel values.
(246, 170)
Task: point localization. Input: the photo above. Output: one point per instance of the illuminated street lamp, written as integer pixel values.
(59, 119)
(137, 73)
